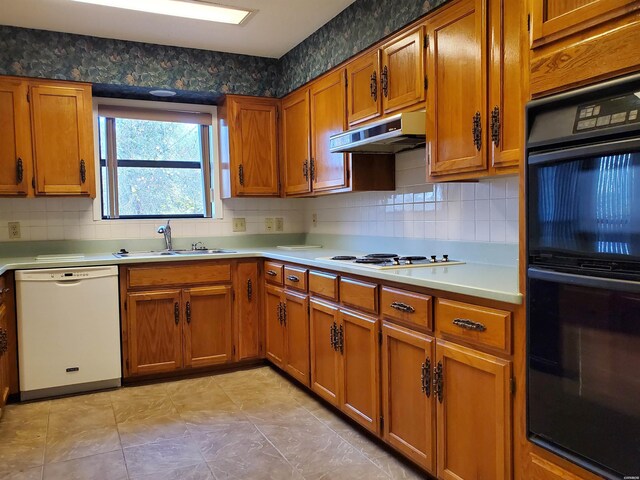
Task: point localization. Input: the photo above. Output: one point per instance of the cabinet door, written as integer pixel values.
(364, 97)
(325, 360)
(407, 393)
(253, 137)
(62, 140)
(474, 414)
(15, 138)
(456, 95)
(4, 357)
(247, 315)
(506, 82)
(154, 331)
(328, 117)
(402, 77)
(274, 327)
(558, 18)
(296, 321)
(296, 146)
(207, 330)
(360, 370)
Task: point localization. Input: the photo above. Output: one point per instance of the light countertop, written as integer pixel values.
(492, 282)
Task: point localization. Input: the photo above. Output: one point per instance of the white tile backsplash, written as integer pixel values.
(485, 211)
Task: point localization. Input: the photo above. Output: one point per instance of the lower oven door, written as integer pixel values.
(584, 370)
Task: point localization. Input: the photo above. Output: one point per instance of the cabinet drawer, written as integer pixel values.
(296, 278)
(482, 326)
(407, 307)
(324, 285)
(361, 295)
(273, 272)
(179, 275)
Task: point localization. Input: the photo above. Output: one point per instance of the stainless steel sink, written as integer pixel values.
(208, 251)
(162, 253)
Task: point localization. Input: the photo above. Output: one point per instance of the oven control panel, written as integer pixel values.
(611, 112)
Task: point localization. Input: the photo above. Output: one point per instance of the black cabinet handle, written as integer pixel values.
(467, 324)
(305, 170)
(279, 309)
(293, 278)
(188, 312)
(340, 342)
(403, 307)
(373, 85)
(495, 126)
(271, 273)
(384, 79)
(176, 312)
(313, 169)
(284, 314)
(425, 377)
(477, 131)
(241, 174)
(83, 171)
(19, 171)
(249, 289)
(333, 336)
(437, 382)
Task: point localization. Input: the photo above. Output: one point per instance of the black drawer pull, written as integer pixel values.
(469, 324)
(271, 273)
(403, 307)
(293, 278)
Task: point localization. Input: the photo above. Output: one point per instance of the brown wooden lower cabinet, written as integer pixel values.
(473, 414)
(247, 311)
(287, 331)
(154, 332)
(4, 355)
(344, 361)
(407, 393)
(207, 330)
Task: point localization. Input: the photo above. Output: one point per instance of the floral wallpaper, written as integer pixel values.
(44, 54)
(124, 68)
(356, 28)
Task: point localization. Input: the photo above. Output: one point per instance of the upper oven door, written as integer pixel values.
(584, 202)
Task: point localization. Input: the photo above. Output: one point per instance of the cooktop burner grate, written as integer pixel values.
(382, 255)
(343, 257)
(372, 261)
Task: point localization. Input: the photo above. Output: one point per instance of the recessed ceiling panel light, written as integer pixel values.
(196, 9)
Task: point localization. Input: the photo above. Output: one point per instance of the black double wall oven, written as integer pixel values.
(583, 276)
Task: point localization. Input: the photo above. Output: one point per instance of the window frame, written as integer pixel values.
(210, 169)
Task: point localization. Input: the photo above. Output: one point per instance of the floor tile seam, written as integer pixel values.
(276, 449)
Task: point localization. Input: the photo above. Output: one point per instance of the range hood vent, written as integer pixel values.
(401, 132)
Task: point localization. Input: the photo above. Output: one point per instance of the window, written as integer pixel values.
(154, 163)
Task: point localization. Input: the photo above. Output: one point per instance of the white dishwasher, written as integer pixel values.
(68, 330)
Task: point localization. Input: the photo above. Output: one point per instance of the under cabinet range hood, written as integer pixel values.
(404, 131)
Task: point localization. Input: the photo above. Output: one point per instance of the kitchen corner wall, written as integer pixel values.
(486, 211)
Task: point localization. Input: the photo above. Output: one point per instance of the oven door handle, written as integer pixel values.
(608, 148)
(584, 280)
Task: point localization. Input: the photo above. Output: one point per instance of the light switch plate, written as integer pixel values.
(269, 225)
(279, 224)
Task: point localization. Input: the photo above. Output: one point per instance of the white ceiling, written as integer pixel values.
(277, 27)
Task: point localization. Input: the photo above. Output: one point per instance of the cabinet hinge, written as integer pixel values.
(381, 423)
(28, 97)
(426, 40)
(529, 22)
(309, 310)
(426, 82)
(380, 337)
(233, 350)
(233, 294)
(346, 79)
(512, 385)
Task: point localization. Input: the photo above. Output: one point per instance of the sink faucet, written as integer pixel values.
(166, 231)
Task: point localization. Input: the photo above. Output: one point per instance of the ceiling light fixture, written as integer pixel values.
(195, 9)
(162, 93)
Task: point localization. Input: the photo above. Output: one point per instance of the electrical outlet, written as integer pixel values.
(269, 225)
(279, 224)
(314, 219)
(14, 230)
(239, 225)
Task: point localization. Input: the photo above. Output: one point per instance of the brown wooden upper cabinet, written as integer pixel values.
(402, 81)
(388, 79)
(62, 131)
(249, 147)
(296, 143)
(328, 171)
(470, 133)
(46, 138)
(15, 138)
(553, 19)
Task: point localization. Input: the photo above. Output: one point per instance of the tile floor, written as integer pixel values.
(247, 425)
